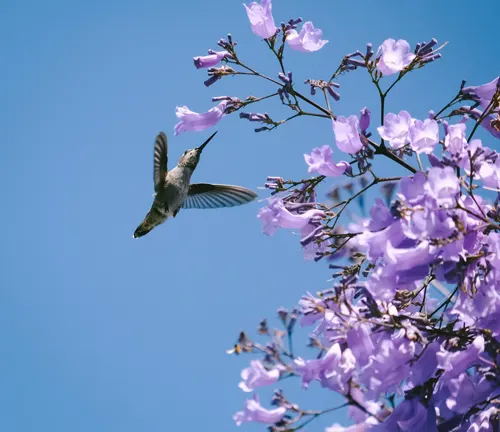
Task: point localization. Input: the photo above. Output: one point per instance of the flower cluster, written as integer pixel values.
(408, 334)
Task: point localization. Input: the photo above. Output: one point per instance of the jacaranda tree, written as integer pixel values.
(409, 333)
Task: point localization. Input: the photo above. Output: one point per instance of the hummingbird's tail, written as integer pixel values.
(142, 230)
(152, 220)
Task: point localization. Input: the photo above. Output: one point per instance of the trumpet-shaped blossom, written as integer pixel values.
(320, 161)
(261, 19)
(454, 363)
(465, 392)
(455, 141)
(257, 376)
(487, 122)
(409, 416)
(490, 174)
(424, 135)
(413, 188)
(396, 129)
(483, 93)
(333, 370)
(442, 184)
(394, 56)
(276, 215)
(253, 411)
(407, 258)
(212, 59)
(347, 134)
(308, 40)
(193, 121)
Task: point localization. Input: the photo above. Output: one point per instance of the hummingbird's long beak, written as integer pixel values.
(200, 148)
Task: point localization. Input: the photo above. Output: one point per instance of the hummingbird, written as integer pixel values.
(173, 189)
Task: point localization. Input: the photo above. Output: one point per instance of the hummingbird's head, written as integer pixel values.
(190, 158)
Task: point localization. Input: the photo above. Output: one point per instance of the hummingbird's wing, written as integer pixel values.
(208, 196)
(160, 161)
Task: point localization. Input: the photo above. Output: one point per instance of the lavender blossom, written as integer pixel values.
(308, 40)
(276, 215)
(347, 135)
(257, 376)
(454, 363)
(314, 240)
(212, 59)
(455, 141)
(364, 120)
(409, 416)
(320, 161)
(442, 184)
(254, 412)
(483, 93)
(489, 173)
(193, 121)
(261, 19)
(487, 122)
(396, 129)
(394, 56)
(424, 135)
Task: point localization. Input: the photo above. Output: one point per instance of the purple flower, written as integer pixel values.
(413, 188)
(193, 121)
(425, 366)
(487, 122)
(257, 376)
(455, 141)
(396, 129)
(212, 59)
(409, 416)
(312, 309)
(276, 215)
(442, 184)
(346, 134)
(261, 19)
(482, 422)
(376, 242)
(466, 391)
(381, 216)
(364, 119)
(406, 259)
(309, 370)
(333, 370)
(390, 363)
(339, 367)
(454, 363)
(424, 135)
(360, 343)
(320, 161)
(394, 56)
(489, 173)
(312, 232)
(254, 412)
(483, 93)
(308, 40)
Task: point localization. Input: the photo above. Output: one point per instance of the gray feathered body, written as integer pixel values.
(175, 189)
(169, 198)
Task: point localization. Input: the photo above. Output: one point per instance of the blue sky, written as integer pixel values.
(100, 332)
